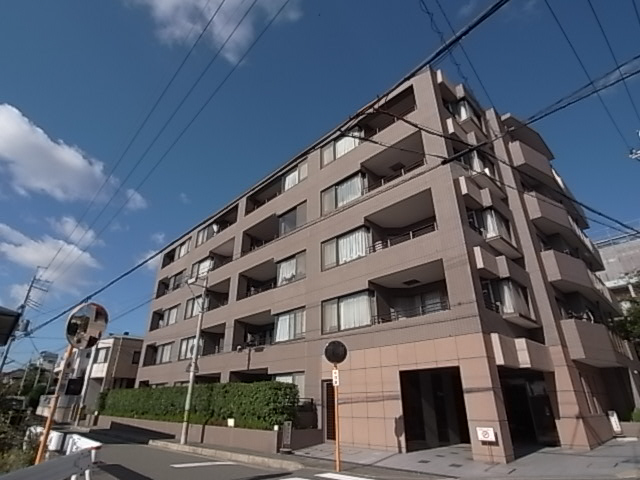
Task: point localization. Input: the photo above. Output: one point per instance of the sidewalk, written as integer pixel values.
(618, 458)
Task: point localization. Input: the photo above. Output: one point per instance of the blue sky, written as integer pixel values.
(78, 77)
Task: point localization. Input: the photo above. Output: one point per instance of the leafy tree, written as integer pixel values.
(628, 327)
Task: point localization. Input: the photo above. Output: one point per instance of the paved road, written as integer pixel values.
(142, 462)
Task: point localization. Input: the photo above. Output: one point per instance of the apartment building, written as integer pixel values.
(465, 292)
(112, 363)
(621, 256)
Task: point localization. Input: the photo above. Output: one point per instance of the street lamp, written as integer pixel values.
(193, 364)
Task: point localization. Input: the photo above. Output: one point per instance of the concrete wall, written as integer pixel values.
(235, 438)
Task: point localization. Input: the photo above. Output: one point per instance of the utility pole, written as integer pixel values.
(36, 283)
(193, 364)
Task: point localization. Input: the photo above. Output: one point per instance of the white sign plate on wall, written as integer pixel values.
(486, 434)
(615, 422)
(336, 377)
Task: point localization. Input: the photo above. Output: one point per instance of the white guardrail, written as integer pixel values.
(78, 456)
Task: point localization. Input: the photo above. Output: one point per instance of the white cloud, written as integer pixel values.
(184, 198)
(158, 238)
(467, 8)
(180, 21)
(116, 226)
(30, 253)
(152, 265)
(135, 201)
(80, 234)
(33, 162)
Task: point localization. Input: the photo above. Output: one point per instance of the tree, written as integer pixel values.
(628, 327)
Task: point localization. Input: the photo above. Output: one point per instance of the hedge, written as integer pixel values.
(259, 405)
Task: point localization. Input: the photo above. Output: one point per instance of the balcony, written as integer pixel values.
(410, 293)
(551, 217)
(482, 171)
(217, 295)
(170, 284)
(594, 344)
(213, 340)
(569, 274)
(401, 222)
(258, 279)
(254, 331)
(521, 353)
(260, 234)
(532, 163)
(276, 187)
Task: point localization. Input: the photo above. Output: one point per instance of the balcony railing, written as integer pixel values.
(400, 173)
(394, 117)
(255, 290)
(404, 237)
(424, 309)
(213, 305)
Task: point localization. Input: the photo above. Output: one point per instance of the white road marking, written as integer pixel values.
(339, 476)
(295, 478)
(200, 464)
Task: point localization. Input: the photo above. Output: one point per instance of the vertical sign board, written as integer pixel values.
(336, 352)
(287, 427)
(335, 377)
(615, 422)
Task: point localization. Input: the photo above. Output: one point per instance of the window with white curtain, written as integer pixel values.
(163, 353)
(295, 378)
(342, 193)
(514, 297)
(342, 145)
(345, 248)
(183, 248)
(291, 269)
(193, 306)
(102, 355)
(169, 317)
(495, 224)
(290, 325)
(346, 312)
(186, 347)
(201, 268)
(295, 176)
(206, 233)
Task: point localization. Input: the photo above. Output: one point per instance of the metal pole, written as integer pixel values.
(192, 367)
(5, 353)
(337, 421)
(21, 310)
(24, 377)
(85, 384)
(52, 410)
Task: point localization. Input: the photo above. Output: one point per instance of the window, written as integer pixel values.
(169, 317)
(291, 269)
(102, 355)
(135, 358)
(186, 348)
(347, 312)
(193, 306)
(176, 280)
(495, 224)
(201, 268)
(294, 218)
(290, 325)
(506, 296)
(345, 248)
(342, 193)
(206, 233)
(295, 378)
(478, 163)
(474, 217)
(163, 353)
(295, 176)
(342, 145)
(183, 248)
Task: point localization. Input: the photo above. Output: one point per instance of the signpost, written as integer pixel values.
(336, 352)
(85, 326)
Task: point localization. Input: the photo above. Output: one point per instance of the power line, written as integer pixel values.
(615, 59)
(143, 156)
(586, 72)
(135, 136)
(635, 9)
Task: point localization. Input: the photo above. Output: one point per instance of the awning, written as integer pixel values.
(8, 323)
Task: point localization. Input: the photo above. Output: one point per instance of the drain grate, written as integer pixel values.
(456, 465)
(424, 461)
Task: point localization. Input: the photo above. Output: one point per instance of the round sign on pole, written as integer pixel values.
(86, 324)
(335, 352)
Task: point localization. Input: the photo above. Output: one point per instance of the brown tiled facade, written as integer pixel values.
(465, 292)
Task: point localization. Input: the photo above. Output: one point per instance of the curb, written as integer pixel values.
(248, 458)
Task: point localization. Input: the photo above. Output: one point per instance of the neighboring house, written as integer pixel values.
(466, 292)
(112, 363)
(621, 257)
(8, 324)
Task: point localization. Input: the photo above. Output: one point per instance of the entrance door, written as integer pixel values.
(329, 411)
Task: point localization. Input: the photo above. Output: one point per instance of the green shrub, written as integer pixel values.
(259, 405)
(635, 416)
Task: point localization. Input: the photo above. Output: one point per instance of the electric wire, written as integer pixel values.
(586, 72)
(615, 59)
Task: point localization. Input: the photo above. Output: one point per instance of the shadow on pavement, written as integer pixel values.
(122, 473)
